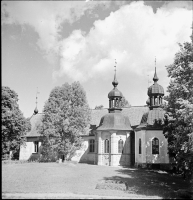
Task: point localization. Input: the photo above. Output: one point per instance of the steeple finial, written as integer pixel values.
(115, 82)
(155, 78)
(36, 110)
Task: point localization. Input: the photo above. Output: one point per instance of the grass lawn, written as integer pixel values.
(83, 179)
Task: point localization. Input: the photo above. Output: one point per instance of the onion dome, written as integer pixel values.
(155, 89)
(114, 121)
(115, 92)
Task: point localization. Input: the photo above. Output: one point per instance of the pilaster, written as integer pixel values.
(113, 149)
(99, 148)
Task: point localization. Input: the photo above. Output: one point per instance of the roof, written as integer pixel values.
(114, 121)
(151, 119)
(134, 114)
(35, 121)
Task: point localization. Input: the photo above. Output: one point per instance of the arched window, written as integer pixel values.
(106, 146)
(36, 146)
(91, 147)
(120, 146)
(139, 145)
(155, 146)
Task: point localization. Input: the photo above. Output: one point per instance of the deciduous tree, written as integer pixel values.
(14, 125)
(179, 130)
(66, 118)
(125, 103)
(99, 107)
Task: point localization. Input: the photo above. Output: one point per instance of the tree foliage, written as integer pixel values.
(99, 107)
(179, 121)
(66, 118)
(14, 125)
(125, 103)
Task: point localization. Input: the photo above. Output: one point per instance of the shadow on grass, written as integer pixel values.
(150, 182)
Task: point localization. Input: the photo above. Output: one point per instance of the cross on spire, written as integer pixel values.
(155, 78)
(36, 110)
(115, 82)
(115, 65)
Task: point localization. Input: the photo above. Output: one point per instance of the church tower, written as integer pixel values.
(113, 132)
(150, 143)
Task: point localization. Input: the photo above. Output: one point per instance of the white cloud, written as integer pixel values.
(45, 17)
(133, 35)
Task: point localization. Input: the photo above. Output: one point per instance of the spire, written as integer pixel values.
(155, 78)
(115, 82)
(36, 110)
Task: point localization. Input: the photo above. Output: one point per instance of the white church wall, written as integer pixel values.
(140, 158)
(114, 158)
(26, 151)
(123, 158)
(162, 157)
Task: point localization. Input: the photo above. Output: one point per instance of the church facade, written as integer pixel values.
(118, 136)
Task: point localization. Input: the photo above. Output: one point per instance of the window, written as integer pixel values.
(155, 146)
(120, 146)
(36, 145)
(139, 145)
(106, 146)
(91, 147)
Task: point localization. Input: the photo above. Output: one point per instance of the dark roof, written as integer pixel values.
(114, 121)
(133, 113)
(35, 121)
(155, 114)
(150, 118)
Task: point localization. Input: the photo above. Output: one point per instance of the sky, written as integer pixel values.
(48, 43)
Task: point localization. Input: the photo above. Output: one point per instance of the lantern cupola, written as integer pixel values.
(155, 93)
(115, 96)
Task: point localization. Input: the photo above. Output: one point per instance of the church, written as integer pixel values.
(118, 136)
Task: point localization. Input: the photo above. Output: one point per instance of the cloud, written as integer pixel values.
(45, 17)
(133, 34)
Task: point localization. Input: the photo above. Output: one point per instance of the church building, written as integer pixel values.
(118, 136)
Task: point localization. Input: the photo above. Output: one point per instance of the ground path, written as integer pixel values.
(71, 196)
(70, 180)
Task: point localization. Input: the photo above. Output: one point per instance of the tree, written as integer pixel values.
(179, 128)
(99, 107)
(125, 103)
(66, 118)
(14, 125)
